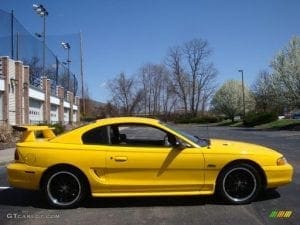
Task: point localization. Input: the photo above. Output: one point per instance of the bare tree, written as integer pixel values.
(195, 52)
(125, 96)
(106, 110)
(156, 86)
(193, 74)
(201, 73)
(206, 87)
(174, 61)
(35, 71)
(187, 81)
(169, 97)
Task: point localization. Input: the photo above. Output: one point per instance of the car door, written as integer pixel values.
(143, 161)
(95, 142)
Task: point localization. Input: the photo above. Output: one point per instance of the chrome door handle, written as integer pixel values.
(120, 158)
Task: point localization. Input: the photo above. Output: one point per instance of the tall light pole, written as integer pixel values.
(81, 75)
(67, 46)
(12, 33)
(243, 90)
(41, 11)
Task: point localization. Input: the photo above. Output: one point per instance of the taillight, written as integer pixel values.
(17, 155)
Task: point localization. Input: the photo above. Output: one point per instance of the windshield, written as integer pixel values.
(199, 141)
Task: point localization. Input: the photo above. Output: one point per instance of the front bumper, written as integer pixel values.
(278, 175)
(23, 176)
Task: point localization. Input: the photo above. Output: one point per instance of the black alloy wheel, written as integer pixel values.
(64, 188)
(239, 184)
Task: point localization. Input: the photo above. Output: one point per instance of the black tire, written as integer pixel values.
(64, 188)
(239, 184)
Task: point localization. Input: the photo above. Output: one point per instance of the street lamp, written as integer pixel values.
(67, 46)
(41, 11)
(243, 90)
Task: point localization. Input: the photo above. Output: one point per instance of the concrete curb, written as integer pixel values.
(4, 146)
(6, 156)
(3, 163)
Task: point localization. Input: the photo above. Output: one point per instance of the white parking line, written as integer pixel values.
(3, 188)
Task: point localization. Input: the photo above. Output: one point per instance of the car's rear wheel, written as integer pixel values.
(64, 188)
(239, 184)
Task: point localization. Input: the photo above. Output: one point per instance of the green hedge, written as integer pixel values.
(58, 128)
(200, 119)
(88, 119)
(252, 119)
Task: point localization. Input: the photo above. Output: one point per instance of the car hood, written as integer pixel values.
(237, 147)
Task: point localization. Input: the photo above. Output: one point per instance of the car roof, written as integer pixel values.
(70, 137)
(74, 136)
(129, 119)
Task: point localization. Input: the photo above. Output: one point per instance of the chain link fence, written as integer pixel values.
(19, 44)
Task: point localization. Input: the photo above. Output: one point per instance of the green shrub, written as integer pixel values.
(200, 119)
(252, 119)
(58, 128)
(88, 119)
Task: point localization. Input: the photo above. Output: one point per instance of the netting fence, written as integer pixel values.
(19, 44)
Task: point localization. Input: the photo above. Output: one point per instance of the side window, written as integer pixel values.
(96, 136)
(141, 132)
(138, 135)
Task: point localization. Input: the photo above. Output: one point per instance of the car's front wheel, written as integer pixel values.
(64, 188)
(239, 184)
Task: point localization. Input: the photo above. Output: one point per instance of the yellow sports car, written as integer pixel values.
(130, 156)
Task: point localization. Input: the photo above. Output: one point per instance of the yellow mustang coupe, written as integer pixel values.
(131, 156)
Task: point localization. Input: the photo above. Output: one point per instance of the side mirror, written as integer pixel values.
(178, 144)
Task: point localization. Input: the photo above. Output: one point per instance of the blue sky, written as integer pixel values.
(125, 34)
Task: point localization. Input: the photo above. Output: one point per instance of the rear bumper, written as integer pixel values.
(278, 175)
(23, 176)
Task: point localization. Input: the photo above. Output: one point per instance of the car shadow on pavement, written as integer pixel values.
(23, 198)
(268, 195)
(122, 202)
(167, 201)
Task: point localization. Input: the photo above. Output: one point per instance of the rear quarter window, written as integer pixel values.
(96, 136)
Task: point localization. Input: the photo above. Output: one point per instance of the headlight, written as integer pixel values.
(281, 161)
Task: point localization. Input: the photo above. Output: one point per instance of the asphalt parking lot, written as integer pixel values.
(26, 207)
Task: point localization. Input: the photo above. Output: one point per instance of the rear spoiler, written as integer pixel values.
(29, 132)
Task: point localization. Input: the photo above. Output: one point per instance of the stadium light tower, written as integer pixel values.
(67, 46)
(42, 11)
